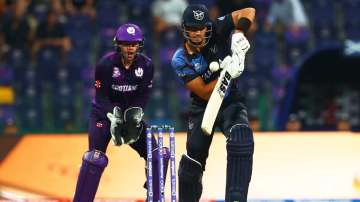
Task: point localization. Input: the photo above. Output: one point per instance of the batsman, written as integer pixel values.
(222, 41)
(123, 81)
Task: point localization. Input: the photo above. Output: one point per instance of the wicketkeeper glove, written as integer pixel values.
(116, 126)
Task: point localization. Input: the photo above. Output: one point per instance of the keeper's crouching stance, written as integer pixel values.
(123, 80)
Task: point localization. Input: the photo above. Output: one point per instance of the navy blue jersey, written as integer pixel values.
(117, 86)
(188, 67)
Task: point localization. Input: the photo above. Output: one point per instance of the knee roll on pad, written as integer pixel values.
(93, 165)
(240, 149)
(96, 158)
(190, 177)
(240, 141)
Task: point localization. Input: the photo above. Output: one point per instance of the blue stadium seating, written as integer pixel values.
(265, 51)
(108, 13)
(6, 74)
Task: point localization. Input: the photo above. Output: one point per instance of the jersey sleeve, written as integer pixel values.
(183, 69)
(224, 26)
(103, 85)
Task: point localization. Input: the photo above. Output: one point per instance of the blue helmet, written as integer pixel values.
(196, 16)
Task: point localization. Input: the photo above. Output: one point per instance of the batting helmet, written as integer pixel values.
(196, 16)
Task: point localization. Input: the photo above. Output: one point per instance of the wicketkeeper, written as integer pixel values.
(123, 80)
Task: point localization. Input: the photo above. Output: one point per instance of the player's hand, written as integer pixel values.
(222, 64)
(239, 43)
(116, 125)
(225, 62)
(234, 65)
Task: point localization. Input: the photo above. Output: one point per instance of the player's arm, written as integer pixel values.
(190, 78)
(103, 86)
(233, 66)
(243, 19)
(201, 89)
(103, 77)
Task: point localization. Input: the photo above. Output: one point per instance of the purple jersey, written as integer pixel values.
(117, 86)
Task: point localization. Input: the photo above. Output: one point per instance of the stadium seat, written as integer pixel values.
(6, 74)
(108, 13)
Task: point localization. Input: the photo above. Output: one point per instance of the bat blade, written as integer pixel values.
(215, 101)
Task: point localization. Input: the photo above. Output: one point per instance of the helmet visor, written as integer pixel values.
(197, 36)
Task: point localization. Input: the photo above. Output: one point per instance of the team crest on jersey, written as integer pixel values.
(139, 72)
(198, 15)
(213, 49)
(131, 30)
(116, 72)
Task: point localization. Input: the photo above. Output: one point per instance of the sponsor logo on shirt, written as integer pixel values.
(124, 88)
(116, 72)
(139, 72)
(99, 125)
(97, 84)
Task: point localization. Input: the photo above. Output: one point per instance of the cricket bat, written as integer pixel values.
(214, 103)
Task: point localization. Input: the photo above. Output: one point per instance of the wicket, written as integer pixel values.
(160, 138)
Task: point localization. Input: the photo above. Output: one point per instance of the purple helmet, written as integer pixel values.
(129, 33)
